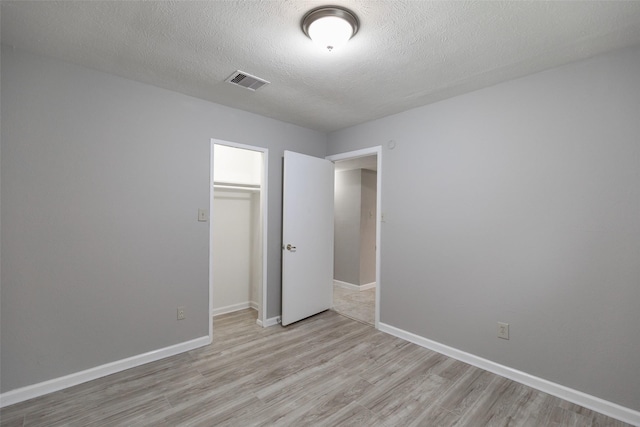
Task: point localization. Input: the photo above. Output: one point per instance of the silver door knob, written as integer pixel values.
(291, 248)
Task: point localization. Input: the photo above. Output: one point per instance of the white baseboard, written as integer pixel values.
(346, 285)
(351, 286)
(56, 384)
(588, 401)
(234, 307)
(269, 322)
(367, 286)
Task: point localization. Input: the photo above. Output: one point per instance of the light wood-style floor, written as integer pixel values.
(356, 304)
(327, 370)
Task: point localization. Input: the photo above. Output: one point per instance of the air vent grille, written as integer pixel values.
(246, 80)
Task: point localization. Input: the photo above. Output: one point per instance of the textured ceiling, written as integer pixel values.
(406, 53)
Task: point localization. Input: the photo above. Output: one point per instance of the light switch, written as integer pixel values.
(203, 215)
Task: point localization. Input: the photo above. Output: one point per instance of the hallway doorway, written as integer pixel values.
(356, 224)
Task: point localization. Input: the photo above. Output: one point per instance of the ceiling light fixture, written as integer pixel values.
(330, 26)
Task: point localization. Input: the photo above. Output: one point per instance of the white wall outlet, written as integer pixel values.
(203, 215)
(181, 313)
(503, 330)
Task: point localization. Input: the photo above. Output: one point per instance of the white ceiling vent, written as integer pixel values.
(246, 80)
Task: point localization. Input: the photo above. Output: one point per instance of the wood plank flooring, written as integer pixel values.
(327, 370)
(356, 304)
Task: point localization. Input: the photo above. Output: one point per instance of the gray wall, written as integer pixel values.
(355, 226)
(101, 181)
(520, 203)
(368, 227)
(346, 242)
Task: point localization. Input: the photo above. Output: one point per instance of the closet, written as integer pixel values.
(237, 247)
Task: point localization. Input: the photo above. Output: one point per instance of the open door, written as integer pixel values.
(307, 236)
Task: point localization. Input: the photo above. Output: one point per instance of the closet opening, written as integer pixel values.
(238, 229)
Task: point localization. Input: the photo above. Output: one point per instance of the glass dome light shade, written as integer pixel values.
(330, 32)
(330, 26)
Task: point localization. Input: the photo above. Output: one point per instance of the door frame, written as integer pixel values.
(264, 208)
(365, 152)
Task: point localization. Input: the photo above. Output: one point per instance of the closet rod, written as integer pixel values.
(248, 187)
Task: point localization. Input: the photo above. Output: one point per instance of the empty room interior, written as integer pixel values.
(222, 213)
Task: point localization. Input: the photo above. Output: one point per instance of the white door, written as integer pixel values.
(307, 236)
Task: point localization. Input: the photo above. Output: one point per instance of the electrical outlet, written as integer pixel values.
(203, 215)
(181, 313)
(503, 330)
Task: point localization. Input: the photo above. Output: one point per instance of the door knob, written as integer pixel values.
(291, 248)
